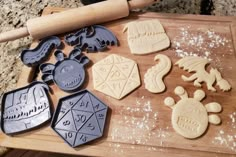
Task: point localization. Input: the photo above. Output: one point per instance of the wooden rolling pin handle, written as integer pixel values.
(136, 4)
(14, 34)
(75, 18)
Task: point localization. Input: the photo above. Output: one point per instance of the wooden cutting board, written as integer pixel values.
(140, 123)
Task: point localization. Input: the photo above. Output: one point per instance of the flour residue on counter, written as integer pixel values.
(202, 43)
(142, 124)
(227, 137)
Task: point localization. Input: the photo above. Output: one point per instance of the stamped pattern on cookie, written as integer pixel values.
(153, 78)
(146, 37)
(116, 76)
(198, 65)
(189, 116)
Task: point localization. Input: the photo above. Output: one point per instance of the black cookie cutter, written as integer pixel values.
(93, 38)
(25, 108)
(79, 118)
(40, 53)
(67, 73)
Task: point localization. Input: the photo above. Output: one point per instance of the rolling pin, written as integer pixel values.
(73, 19)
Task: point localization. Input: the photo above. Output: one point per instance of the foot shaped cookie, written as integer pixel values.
(189, 116)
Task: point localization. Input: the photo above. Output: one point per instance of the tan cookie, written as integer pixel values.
(197, 65)
(153, 77)
(189, 116)
(146, 37)
(116, 76)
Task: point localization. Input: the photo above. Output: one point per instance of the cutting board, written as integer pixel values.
(140, 123)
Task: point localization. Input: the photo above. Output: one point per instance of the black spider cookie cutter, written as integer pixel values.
(37, 55)
(68, 73)
(25, 108)
(93, 38)
(79, 118)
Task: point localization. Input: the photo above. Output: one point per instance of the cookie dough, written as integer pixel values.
(189, 116)
(146, 37)
(153, 78)
(116, 76)
(198, 65)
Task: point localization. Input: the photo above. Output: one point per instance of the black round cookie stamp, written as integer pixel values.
(67, 73)
(79, 118)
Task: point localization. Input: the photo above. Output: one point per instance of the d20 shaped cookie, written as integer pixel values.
(25, 108)
(79, 118)
(190, 117)
(116, 76)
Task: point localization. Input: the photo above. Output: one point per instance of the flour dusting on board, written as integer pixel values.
(227, 137)
(141, 121)
(207, 44)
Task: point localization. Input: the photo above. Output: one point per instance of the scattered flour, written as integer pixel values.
(142, 124)
(203, 44)
(227, 137)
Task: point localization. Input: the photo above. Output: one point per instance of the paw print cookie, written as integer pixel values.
(189, 116)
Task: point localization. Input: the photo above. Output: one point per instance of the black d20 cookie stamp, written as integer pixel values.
(79, 118)
(67, 73)
(25, 108)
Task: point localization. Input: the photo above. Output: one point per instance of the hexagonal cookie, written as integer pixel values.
(116, 76)
(79, 118)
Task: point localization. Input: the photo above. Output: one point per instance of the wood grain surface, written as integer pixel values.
(140, 123)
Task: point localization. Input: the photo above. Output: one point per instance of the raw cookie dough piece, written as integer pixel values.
(189, 116)
(146, 37)
(153, 78)
(115, 76)
(197, 65)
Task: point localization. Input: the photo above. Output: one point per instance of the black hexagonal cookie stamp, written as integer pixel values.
(79, 118)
